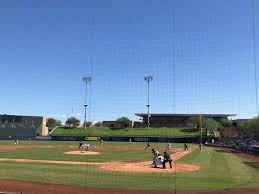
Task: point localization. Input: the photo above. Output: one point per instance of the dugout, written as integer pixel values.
(22, 127)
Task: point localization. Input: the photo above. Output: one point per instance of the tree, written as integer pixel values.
(194, 120)
(51, 123)
(210, 124)
(87, 124)
(123, 122)
(250, 127)
(72, 122)
(226, 122)
(98, 124)
(59, 123)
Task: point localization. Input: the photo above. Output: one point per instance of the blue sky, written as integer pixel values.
(46, 48)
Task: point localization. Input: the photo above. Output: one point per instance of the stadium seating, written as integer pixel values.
(21, 127)
(247, 144)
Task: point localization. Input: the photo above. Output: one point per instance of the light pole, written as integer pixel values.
(86, 80)
(148, 79)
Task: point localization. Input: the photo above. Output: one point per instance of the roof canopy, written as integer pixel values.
(185, 115)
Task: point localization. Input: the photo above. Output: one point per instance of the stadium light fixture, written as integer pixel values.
(148, 79)
(86, 80)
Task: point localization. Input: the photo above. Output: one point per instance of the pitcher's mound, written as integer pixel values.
(82, 153)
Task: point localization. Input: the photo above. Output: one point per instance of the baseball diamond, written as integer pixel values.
(127, 163)
(129, 97)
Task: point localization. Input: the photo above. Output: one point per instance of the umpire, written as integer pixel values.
(167, 158)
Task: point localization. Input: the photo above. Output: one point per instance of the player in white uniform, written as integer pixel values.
(158, 161)
(16, 141)
(86, 146)
(168, 146)
(101, 141)
(155, 155)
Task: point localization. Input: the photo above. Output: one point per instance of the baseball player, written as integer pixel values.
(101, 141)
(155, 155)
(148, 145)
(200, 146)
(167, 158)
(86, 146)
(80, 145)
(185, 146)
(158, 161)
(16, 141)
(168, 146)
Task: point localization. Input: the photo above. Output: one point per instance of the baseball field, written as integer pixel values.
(123, 167)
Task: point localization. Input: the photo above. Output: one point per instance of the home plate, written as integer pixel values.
(82, 153)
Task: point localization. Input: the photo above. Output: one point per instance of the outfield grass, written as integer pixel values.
(218, 170)
(106, 155)
(76, 143)
(130, 132)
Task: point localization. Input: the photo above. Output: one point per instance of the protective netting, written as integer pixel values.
(202, 56)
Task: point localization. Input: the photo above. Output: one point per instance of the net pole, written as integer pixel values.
(172, 28)
(90, 90)
(255, 58)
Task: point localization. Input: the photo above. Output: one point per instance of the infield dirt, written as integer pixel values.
(142, 166)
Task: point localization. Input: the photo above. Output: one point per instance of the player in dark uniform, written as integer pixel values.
(185, 146)
(200, 146)
(167, 158)
(80, 144)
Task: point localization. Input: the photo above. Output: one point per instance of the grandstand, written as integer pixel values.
(21, 127)
(246, 144)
